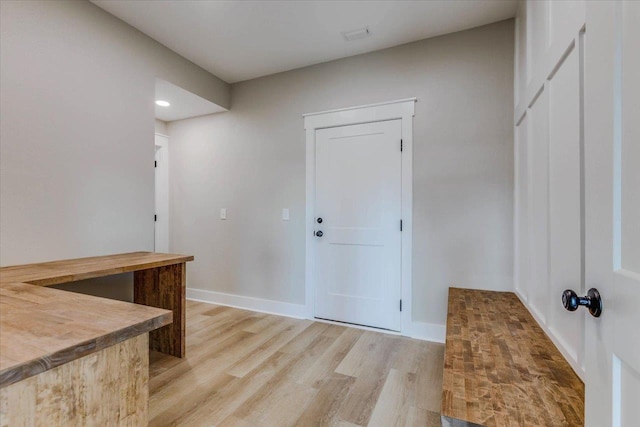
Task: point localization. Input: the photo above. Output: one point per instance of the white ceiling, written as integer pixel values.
(183, 103)
(241, 40)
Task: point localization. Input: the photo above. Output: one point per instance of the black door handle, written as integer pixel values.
(319, 233)
(571, 301)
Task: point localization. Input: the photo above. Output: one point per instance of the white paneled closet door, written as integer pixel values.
(612, 211)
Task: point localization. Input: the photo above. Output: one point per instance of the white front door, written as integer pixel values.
(161, 194)
(358, 236)
(612, 212)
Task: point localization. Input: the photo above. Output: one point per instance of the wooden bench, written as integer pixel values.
(501, 369)
(159, 281)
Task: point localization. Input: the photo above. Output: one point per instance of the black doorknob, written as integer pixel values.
(319, 220)
(319, 233)
(571, 301)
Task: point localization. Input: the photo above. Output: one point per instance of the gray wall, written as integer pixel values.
(77, 129)
(251, 161)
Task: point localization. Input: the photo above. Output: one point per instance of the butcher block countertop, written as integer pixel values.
(56, 272)
(501, 369)
(42, 328)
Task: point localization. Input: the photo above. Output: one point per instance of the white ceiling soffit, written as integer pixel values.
(184, 104)
(241, 40)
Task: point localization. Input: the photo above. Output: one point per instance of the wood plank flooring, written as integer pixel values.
(248, 369)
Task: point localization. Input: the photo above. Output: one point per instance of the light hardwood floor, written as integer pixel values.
(250, 369)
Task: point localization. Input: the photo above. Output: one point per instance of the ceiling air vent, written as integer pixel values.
(360, 33)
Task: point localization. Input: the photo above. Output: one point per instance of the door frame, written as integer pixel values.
(403, 109)
(162, 145)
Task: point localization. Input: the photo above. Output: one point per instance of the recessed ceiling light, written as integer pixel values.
(360, 33)
(162, 103)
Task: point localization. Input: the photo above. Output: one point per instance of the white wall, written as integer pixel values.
(77, 129)
(251, 161)
(161, 127)
(548, 138)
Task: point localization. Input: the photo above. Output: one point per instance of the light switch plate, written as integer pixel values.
(285, 214)
(223, 213)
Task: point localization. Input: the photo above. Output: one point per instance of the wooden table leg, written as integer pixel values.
(164, 287)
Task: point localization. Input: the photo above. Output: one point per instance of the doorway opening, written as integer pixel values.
(172, 103)
(161, 217)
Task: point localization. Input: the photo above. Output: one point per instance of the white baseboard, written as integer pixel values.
(418, 330)
(299, 311)
(426, 331)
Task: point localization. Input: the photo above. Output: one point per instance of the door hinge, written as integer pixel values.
(155, 218)
(400, 305)
(155, 163)
(401, 145)
(400, 225)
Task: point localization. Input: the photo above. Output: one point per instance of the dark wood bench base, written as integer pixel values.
(164, 287)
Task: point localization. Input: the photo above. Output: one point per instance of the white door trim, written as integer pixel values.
(402, 109)
(162, 145)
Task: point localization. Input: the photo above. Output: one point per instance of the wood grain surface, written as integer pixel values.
(56, 272)
(164, 287)
(248, 369)
(42, 328)
(159, 281)
(501, 369)
(106, 388)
